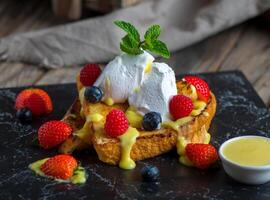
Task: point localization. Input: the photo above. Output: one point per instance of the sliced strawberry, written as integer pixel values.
(36, 104)
(47, 100)
(200, 85)
(60, 167)
(201, 155)
(21, 97)
(22, 100)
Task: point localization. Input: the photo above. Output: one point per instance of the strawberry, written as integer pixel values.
(201, 155)
(21, 97)
(47, 100)
(35, 104)
(59, 167)
(89, 74)
(116, 123)
(53, 133)
(201, 87)
(180, 106)
(24, 95)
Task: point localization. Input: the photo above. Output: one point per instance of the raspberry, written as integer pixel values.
(180, 106)
(89, 74)
(116, 123)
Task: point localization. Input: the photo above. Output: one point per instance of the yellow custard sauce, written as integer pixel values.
(148, 67)
(127, 140)
(84, 132)
(134, 118)
(248, 151)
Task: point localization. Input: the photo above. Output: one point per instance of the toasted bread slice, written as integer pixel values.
(150, 144)
(147, 145)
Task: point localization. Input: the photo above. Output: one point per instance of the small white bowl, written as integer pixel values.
(254, 175)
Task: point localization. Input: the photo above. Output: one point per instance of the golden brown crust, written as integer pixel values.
(148, 144)
(74, 119)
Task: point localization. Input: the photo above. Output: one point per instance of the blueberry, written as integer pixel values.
(24, 115)
(150, 173)
(93, 94)
(151, 121)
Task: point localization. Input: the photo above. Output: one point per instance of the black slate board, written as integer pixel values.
(239, 112)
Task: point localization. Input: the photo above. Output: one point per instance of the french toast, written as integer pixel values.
(130, 110)
(148, 144)
(135, 109)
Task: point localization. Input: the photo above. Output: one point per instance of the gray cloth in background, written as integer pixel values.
(184, 22)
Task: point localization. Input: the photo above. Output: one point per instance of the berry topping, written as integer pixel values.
(201, 155)
(151, 121)
(180, 106)
(89, 74)
(201, 87)
(93, 94)
(36, 104)
(116, 123)
(53, 133)
(21, 97)
(44, 101)
(150, 173)
(59, 167)
(24, 115)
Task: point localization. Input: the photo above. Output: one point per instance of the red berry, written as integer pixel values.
(201, 87)
(36, 104)
(180, 106)
(89, 74)
(53, 133)
(116, 123)
(21, 97)
(59, 167)
(24, 95)
(201, 155)
(47, 100)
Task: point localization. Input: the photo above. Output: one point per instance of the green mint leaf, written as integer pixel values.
(130, 50)
(158, 47)
(129, 29)
(128, 41)
(152, 33)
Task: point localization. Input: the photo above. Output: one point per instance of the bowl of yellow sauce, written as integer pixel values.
(247, 159)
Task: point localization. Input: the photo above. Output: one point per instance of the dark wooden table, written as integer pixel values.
(245, 47)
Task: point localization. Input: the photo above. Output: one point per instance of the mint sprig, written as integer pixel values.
(133, 45)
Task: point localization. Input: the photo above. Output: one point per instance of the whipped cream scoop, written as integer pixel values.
(147, 86)
(123, 75)
(155, 92)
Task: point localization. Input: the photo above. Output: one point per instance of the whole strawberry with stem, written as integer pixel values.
(53, 133)
(201, 155)
(59, 167)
